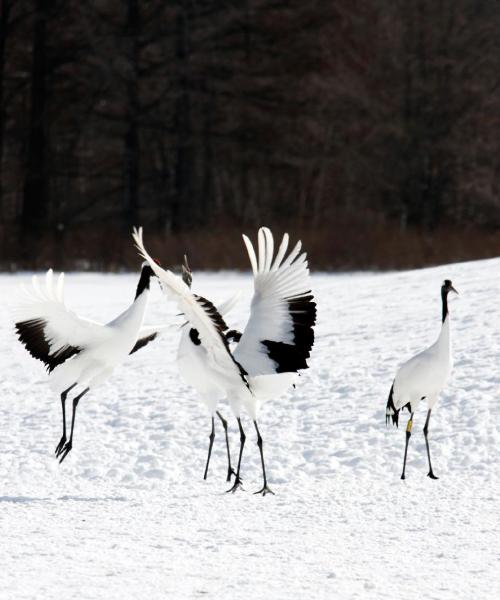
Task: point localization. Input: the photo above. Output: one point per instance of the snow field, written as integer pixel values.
(127, 515)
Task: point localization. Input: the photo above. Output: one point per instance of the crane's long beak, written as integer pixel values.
(454, 290)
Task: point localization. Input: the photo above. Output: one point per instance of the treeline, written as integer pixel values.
(369, 128)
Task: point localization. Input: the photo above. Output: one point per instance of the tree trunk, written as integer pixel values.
(207, 191)
(4, 19)
(131, 137)
(35, 212)
(182, 122)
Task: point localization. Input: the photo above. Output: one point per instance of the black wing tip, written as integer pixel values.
(144, 341)
(233, 335)
(291, 358)
(288, 357)
(212, 312)
(303, 312)
(32, 335)
(394, 417)
(391, 411)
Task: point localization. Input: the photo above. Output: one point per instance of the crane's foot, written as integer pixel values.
(66, 450)
(60, 446)
(265, 490)
(403, 476)
(431, 475)
(236, 486)
(230, 473)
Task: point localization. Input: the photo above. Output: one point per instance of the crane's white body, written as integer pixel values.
(260, 388)
(426, 374)
(101, 347)
(194, 366)
(98, 360)
(422, 378)
(195, 370)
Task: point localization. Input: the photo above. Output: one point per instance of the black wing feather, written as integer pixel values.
(144, 341)
(31, 333)
(212, 312)
(221, 327)
(233, 334)
(291, 358)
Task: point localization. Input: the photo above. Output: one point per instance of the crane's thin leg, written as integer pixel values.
(62, 441)
(426, 429)
(408, 436)
(265, 490)
(237, 480)
(69, 444)
(211, 443)
(230, 470)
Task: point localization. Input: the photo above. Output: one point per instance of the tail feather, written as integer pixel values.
(391, 410)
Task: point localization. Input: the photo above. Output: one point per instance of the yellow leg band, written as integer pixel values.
(409, 425)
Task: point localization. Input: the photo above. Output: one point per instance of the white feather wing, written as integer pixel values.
(278, 281)
(61, 326)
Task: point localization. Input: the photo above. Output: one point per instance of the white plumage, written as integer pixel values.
(275, 284)
(78, 351)
(195, 369)
(276, 341)
(194, 366)
(423, 377)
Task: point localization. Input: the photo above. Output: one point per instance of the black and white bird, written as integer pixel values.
(423, 377)
(195, 369)
(77, 351)
(277, 339)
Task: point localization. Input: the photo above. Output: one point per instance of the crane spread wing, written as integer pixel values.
(48, 329)
(279, 334)
(202, 315)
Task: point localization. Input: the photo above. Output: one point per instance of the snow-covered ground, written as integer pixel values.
(127, 515)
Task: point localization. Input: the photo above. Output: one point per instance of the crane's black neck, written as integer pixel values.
(444, 298)
(144, 280)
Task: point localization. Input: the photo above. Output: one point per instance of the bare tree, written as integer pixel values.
(36, 187)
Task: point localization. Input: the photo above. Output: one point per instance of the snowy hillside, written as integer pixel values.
(127, 515)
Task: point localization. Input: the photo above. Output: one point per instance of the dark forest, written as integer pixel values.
(371, 129)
